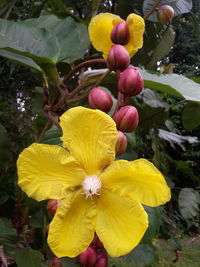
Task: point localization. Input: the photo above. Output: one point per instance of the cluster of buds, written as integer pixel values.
(95, 255)
(130, 83)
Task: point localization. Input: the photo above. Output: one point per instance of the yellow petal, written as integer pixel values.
(46, 171)
(72, 228)
(121, 223)
(90, 135)
(139, 180)
(136, 25)
(100, 29)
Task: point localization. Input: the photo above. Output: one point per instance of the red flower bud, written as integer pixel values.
(121, 144)
(88, 258)
(55, 262)
(102, 259)
(118, 58)
(165, 14)
(126, 119)
(120, 33)
(52, 207)
(100, 99)
(96, 242)
(130, 81)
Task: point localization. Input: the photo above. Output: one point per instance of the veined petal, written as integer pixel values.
(90, 135)
(100, 29)
(138, 179)
(121, 223)
(136, 25)
(46, 171)
(72, 228)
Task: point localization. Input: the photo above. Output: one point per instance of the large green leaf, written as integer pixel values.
(72, 36)
(189, 120)
(174, 84)
(29, 257)
(179, 6)
(8, 237)
(25, 61)
(189, 203)
(163, 47)
(37, 44)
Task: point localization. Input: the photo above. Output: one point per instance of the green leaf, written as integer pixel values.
(189, 201)
(22, 60)
(143, 255)
(29, 257)
(72, 36)
(179, 6)
(4, 146)
(174, 84)
(154, 216)
(164, 46)
(69, 262)
(8, 237)
(189, 120)
(37, 44)
(52, 136)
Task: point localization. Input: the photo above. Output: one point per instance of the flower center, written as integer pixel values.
(91, 186)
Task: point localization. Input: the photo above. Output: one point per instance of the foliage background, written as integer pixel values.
(169, 110)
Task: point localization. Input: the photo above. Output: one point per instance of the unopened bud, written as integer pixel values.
(55, 262)
(52, 207)
(165, 14)
(126, 119)
(96, 242)
(88, 258)
(118, 58)
(121, 144)
(100, 99)
(130, 81)
(120, 33)
(102, 259)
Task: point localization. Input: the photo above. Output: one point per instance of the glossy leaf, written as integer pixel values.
(52, 137)
(189, 120)
(189, 203)
(29, 257)
(179, 6)
(8, 237)
(163, 47)
(174, 84)
(72, 36)
(37, 44)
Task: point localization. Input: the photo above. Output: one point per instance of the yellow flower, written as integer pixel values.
(97, 193)
(101, 26)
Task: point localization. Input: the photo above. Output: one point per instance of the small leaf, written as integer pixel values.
(164, 46)
(189, 120)
(29, 257)
(52, 137)
(179, 6)
(189, 201)
(8, 237)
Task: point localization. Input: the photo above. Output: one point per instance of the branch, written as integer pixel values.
(152, 9)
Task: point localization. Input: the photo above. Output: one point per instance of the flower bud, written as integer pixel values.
(52, 207)
(102, 259)
(96, 242)
(165, 14)
(118, 58)
(55, 262)
(100, 99)
(88, 258)
(130, 81)
(120, 33)
(121, 144)
(126, 119)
